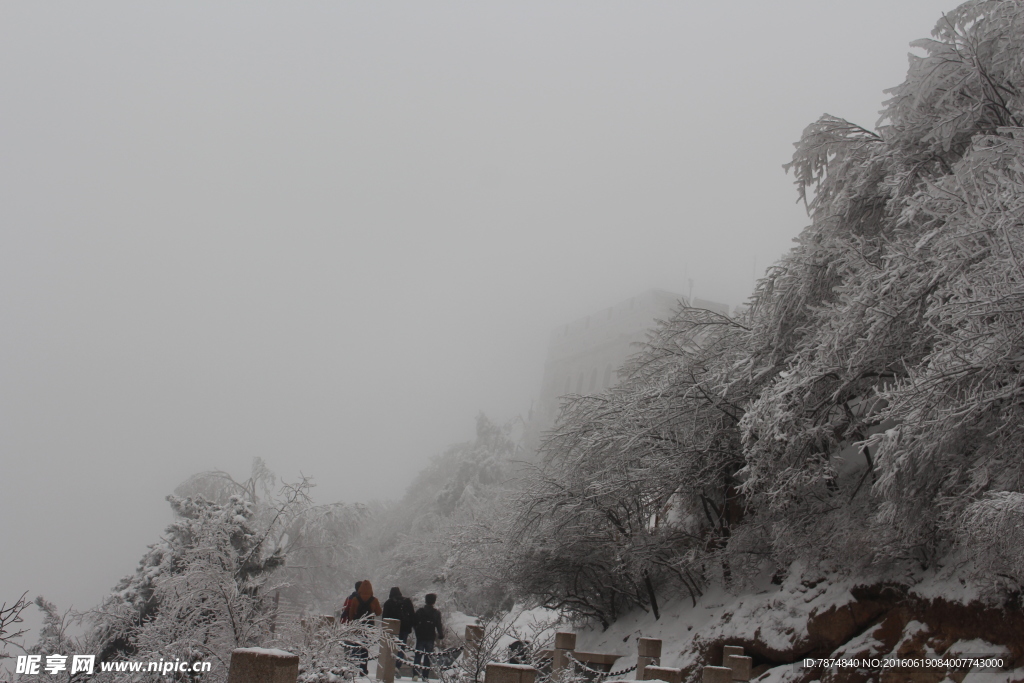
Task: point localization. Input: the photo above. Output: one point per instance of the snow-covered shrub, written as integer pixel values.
(508, 636)
(992, 535)
(328, 651)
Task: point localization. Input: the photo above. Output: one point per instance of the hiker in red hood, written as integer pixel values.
(362, 605)
(364, 602)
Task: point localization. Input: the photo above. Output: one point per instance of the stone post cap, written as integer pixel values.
(392, 626)
(731, 650)
(264, 652)
(565, 640)
(648, 647)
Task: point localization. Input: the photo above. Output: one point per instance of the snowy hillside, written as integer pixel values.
(808, 616)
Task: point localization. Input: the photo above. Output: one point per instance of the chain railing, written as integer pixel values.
(598, 674)
(439, 655)
(447, 659)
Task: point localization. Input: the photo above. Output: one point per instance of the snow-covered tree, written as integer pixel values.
(11, 630)
(205, 588)
(55, 639)
(638, 484)
(868, 406)
(449, 527)
(198, 593)
(894, 323)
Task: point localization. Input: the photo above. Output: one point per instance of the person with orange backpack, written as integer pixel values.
(362, 605)
(362, 602)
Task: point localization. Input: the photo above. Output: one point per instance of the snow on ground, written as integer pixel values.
(941, 584)
(777, 617)
(976, 648)
(457, 622)
(273, 651)
(774, 615)
(537, 624)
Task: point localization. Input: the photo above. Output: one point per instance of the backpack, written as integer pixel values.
(428, 624)
(408, 614)
(363, 608)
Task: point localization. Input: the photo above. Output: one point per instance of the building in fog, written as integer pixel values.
(584, 356)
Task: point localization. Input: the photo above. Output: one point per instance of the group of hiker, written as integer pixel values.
(425, 622)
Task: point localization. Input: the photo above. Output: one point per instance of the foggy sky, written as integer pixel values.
(329, 234)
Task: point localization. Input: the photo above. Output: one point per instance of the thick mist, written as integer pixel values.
(328, 235)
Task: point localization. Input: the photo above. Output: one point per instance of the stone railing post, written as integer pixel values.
(732, 657)
(386, 659)
(509, 673)
(717, 674)
(474, 637)
(648, 653)
(473, 662)
(740, 667)
(259, 665)
(565, 645)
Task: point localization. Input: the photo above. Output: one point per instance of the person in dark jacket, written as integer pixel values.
(393, 605)
(429, 631)
(408, 621)
(399, 607)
